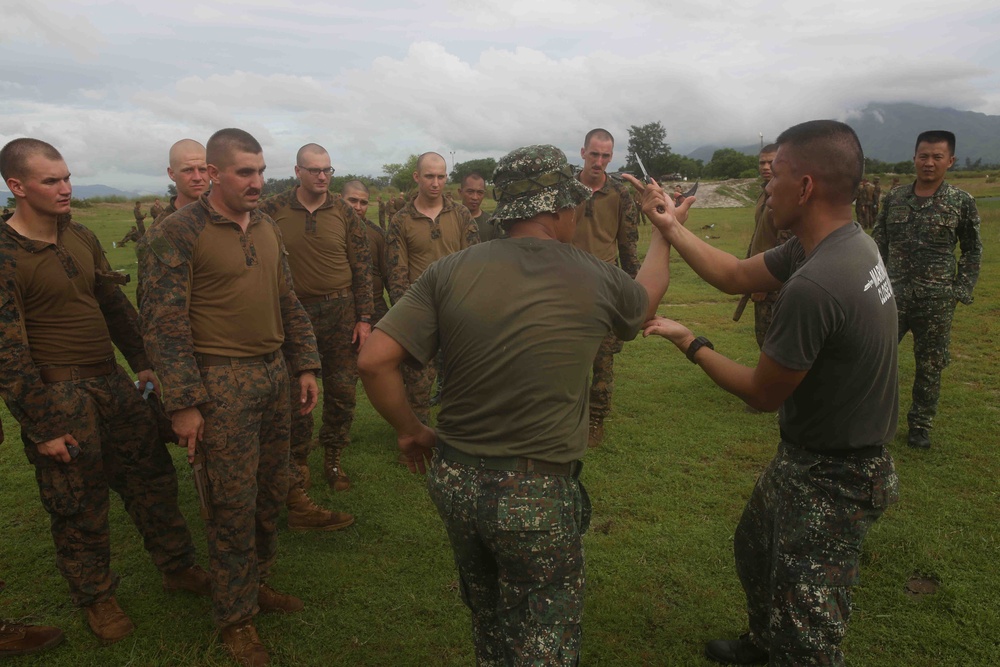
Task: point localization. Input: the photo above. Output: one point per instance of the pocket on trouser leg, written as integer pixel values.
(60, 487)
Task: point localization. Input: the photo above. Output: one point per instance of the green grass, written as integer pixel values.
(668, 486)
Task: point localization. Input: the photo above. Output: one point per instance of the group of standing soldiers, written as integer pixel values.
(867, 201)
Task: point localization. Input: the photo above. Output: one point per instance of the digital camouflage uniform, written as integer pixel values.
(518, 320)
(606, 228)
(414, 242)
(57, 288)
(381, 213)
(218, 313)
(155, 211)
(862, 205)
(765, 236)
(331, 267)
(376, 244)
(139, 217)
(917, 238)
(876, 199)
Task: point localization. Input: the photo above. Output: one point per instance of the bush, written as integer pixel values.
(80, 203)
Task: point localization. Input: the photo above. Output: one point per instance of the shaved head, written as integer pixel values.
(225, 144)
(15, 155)
(314, 149)
(184, 149)
(830, 152)
(354, 185)
(433, 157)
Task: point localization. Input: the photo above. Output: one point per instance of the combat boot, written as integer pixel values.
(919, 438)
(740, 651)
(20, 639)
(270, 600)
(595, 434)
(244, 645)
(304, 514)
(333, 470)
(108, 621)
(191, 579)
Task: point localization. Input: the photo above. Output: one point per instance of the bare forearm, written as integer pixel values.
(654, 274)
(385, 389)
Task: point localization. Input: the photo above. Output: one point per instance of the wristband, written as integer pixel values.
(696, 345)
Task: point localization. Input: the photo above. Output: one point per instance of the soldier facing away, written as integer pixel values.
(519, 320)
(220, 319)
(829, 362)
(916, 232)
(84, 425)
(606, 228)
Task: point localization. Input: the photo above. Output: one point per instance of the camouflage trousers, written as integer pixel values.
(246, 458)
(797, 549)
(517, 541)
(929, 318)
(762, 314)
(120, 449)
(602, 382)
(418, 388)
(381, 308)
(333, 321)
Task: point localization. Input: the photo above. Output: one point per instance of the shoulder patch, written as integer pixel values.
(165, 251)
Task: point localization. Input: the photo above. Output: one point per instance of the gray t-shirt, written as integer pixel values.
(519, 322)
(835, 317)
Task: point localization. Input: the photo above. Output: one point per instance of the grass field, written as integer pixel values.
(668, 486)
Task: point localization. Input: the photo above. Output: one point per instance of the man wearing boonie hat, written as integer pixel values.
(519, 321)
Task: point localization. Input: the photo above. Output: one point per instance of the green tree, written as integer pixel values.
(730, 163)
(649, 142)
(485, 166)
(401, 175)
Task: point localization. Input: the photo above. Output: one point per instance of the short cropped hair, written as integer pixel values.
(831, 153)
(355, 185)
(309, 148)
(224, 143)
(423, 156)
(472, 174)
(598, 133)
(14, 156)
(936, 137)
(770, 148)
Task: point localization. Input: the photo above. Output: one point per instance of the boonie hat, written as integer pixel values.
(533, 180)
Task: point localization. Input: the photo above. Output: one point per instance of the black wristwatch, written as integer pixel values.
(696, 345)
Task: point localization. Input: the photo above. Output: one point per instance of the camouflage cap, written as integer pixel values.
(533, 180)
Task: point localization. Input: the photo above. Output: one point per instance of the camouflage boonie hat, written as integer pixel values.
(533, 180)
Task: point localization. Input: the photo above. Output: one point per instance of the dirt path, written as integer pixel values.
(708, 194)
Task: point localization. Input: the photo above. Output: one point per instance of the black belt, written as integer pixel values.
(510, 463)
(338, 294)
(219, 360)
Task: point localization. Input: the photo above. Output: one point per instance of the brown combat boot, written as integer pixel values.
(333, 470)
(596, 433)
(192, 579)
(242, 642)
(108, 621)
(304, 514)
(270, 600)
(20, 639)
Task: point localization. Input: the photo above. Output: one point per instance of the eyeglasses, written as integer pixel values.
(316, 171)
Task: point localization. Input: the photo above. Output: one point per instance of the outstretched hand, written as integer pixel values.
(658, 206)
(676, 333)
(418, 448)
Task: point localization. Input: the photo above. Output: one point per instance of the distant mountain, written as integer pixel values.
(86, 192)
(887, 132)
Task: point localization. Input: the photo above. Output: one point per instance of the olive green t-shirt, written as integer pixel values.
(519, 322)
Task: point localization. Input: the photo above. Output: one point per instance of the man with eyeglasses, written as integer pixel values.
(332, 274)
(427, 228)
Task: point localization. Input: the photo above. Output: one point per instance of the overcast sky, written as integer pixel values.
(114, 84)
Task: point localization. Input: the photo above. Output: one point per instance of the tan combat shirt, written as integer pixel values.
(606, 226)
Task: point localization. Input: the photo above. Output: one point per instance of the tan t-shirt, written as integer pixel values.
(519, 322)
(56, 293)
(606, 226)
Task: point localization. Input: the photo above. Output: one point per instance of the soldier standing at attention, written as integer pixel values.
(765, 237)
(427, 228)
(139, 217)
(519, 320)
(473, 191)
(606, 228)
(381, 213)
(332, 272)
(189, 172)
(84, 425)
(876, 197)
(218, 313)
(917, 232)
(829, 362)
(355, 193)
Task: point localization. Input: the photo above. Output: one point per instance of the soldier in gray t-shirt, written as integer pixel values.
(829, 363)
